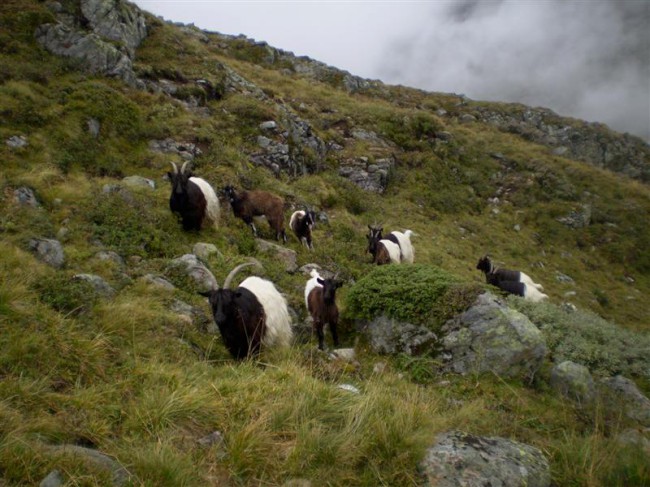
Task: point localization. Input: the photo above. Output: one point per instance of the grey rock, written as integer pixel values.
(17, 141)
(109, 255)
(467, 118)
(206, 250)
(96, 55)
(349, 388)
(441, 112)
(159, 282)
(93, 126)
(53, 479)
(574, 382)
(491, 337)
(268, 125)
(195, 316)
(120, 475)
(579, 218)
(345, 354)
(139, 182)
(190, 265)
(25, 197)
(100, 286)
(459, 459)
(636, 438)
(559, 277)
(369, 177)
(186, 150)
(213, 439)
(116, 20)
(444, 136)
(392, 337)
(264, 142)
(621, 394)
(297, 483)
(324, 273)
(48, 250)
(288, 257)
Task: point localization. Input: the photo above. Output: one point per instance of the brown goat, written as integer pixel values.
(248, 204)
(321, 304)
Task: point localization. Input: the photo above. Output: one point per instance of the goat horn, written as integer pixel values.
(184, 166)
(231, 276)
(175, 167)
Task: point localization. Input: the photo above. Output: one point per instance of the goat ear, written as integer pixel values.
(320, 281)
(207, 294)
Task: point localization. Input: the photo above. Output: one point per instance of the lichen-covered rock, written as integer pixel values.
(100, 286)
(48, 250)
(119, 475)
(491, 337)
(388, 336)
(287, 256)
(574, 382)
(159, 282)
(190, 265)
(205, 250)
(53, 479)
(459, 459)
(620, 394)
(17, 142)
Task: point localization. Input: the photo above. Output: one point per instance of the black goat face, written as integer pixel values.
(179, 181)
(373, 236)
(229, 192)
(484, 264)
(329, 288)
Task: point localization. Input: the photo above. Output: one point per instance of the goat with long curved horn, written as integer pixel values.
(192, 198)
(251, 316)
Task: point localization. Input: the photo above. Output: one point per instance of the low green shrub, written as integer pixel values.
(65, 294)
(419, 294)
(588, 339)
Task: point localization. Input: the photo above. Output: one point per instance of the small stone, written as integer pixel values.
(48, 250)
(53, 479)
(517, 228)
(346, 354)
(25, 197)
(263, 142)
(559, 277)
(379, 368)
(349, 388)
(139, 182)
(158, 282)
(93, 127)
(205, 250)
(268, 125)
(17, 141)
(100, 286)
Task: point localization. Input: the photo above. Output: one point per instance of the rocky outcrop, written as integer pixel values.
(91, 38)
(369, 176)
(183, 149)
(491, 337)
(116, 20)
(593, 143)
(461, 459)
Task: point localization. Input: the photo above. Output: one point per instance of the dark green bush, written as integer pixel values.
(134, 224)
(65, 294)
(419, 294)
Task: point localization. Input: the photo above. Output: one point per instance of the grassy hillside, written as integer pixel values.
(137, 380)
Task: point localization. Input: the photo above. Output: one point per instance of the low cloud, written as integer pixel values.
(588, 60)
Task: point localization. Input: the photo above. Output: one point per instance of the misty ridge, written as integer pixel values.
(588, 60)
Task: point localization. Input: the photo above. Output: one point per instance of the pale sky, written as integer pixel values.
(587, 59)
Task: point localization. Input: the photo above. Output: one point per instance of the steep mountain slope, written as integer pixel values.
(85, 104)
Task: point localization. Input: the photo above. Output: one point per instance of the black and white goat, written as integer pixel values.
(192, 199)
(248, 204)
(395, 248)
(302, 223)
(513, 282)
(252, 316)
(320, 299)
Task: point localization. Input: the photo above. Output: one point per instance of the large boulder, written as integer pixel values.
(620, 394)
(116, 20)
(574, 382)
(389, 336)
(491, 337)
(459, 459)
